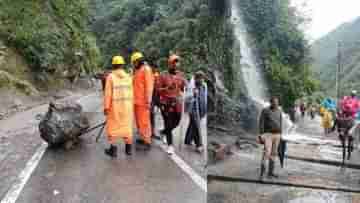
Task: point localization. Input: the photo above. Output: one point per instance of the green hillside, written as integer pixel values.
(51, 36)
(325, 54)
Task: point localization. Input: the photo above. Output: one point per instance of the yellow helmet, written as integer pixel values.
(136, 56)
(118, 60)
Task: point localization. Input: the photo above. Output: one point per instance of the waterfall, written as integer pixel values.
(251, 72)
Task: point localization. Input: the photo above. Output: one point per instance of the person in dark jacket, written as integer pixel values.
(197, 107)
(270, 127)
(343, 123)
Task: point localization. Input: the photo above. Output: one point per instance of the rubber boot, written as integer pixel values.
(147, 147)
(128, 149)
(349, 149)
(271, 173)
(111, 151)
(262, 170)
(140, 142)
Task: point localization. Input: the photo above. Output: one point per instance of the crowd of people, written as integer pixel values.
(135, 95)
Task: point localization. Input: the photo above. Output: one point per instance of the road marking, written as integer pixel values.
(201, 182)
(14, 192)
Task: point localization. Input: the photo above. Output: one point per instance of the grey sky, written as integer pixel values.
(328, 14)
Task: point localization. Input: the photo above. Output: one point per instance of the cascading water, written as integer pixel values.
(252, 74)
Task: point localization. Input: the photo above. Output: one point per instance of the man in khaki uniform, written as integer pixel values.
(270, 125)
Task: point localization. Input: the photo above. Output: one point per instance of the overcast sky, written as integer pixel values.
(328, 14)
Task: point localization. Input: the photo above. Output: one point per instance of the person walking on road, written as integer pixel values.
(343, 123)
(312, 112)
(326, 121)
(197, 107)
(143, 89)
(270, 128)
(302, 109)
(118, 107)
(170, 87)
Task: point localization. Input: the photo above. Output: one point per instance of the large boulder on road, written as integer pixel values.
(63, 123)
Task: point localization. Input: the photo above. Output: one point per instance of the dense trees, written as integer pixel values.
(162, 27)
(51, 35)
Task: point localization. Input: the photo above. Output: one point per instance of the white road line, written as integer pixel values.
(14, 192)
(201, 182)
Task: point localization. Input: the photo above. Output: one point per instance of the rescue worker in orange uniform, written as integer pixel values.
(143, 83)
(155, 100)
(118, 107)
(170, 86)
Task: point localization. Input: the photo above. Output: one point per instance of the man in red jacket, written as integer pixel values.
(170, 86)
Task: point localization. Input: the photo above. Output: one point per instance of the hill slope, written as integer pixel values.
(52, 37)
(325, 53)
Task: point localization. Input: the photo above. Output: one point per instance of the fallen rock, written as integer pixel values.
(63, 123)
(218, 151)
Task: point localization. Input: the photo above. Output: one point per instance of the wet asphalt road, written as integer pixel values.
(307, 141)
(85, 174)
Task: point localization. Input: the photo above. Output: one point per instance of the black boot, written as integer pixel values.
(140, 141)
(262, 170)
(147, 147)
(271, 173)
(349, 151)
(111, 151)
(128, 149)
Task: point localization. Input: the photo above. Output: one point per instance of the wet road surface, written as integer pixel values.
(308, 141)
(85, 174)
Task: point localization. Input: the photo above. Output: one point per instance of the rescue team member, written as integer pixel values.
(155, 100)
(118, 107)
(270, 125)
(170, 86)
(143, 89)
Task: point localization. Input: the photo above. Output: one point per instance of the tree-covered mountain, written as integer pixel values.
(325, 54)
(51, 38)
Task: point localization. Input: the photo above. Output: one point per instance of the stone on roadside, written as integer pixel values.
(63, 124)
(218, 151)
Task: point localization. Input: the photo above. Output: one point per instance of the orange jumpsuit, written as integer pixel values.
(143, 89)
(118, 103)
